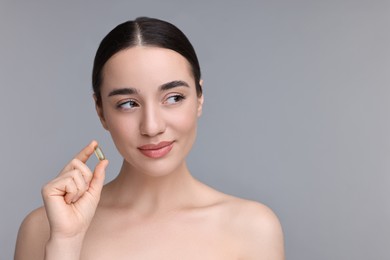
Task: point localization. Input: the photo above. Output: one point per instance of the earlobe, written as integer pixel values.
(99, 111)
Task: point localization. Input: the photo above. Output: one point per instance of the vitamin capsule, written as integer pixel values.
(99, 154)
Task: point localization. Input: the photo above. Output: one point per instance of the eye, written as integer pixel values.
(128, 104)
(174, 99)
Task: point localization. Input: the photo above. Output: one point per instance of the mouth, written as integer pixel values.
(156, 150)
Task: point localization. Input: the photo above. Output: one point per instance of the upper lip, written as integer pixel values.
(155, 146)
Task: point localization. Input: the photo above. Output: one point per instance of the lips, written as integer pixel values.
(156, 150)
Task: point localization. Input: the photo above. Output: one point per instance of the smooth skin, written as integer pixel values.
(154, 208)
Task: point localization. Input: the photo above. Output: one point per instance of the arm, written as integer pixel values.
(70, 202)
(269, 235)
(64, 249)
(34, 242)
(261, 233)
(33, 234)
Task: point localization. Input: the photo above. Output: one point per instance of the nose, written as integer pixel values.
(152, 122)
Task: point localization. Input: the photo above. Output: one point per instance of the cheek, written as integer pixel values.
(120, 126)
(185, 120)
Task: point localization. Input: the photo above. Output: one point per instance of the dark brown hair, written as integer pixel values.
(143, 31)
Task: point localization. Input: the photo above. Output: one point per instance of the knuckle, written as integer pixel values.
(69, 184)
(76, 172)
(75, 162)
(44, 190)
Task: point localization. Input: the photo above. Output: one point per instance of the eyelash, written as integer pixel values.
(177, 98)
(133, 104)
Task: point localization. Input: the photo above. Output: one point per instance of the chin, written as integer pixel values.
(156, 167)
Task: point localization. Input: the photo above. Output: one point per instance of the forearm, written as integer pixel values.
(63, 249)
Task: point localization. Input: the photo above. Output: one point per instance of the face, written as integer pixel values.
(150, 107)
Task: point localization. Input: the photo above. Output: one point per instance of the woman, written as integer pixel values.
(148, 95)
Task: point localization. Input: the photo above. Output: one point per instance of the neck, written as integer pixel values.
(151, 194)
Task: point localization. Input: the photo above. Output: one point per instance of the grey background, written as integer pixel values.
(296, 109)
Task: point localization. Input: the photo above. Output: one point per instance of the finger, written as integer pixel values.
(70, 191)
(97, 181)
(81, 185)
(65, 188)
(71, 186)
(87, 151)
(82, 167)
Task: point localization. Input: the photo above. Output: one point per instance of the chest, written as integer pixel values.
(174, 237)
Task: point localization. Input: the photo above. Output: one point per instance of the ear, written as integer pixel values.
(99, 111)
(200, 100)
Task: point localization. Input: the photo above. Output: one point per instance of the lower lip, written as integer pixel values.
(157, 153)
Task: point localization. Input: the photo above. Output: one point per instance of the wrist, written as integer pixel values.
(58, 248)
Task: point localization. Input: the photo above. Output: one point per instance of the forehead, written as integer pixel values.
(145, 66)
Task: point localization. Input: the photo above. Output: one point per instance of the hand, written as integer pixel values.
(71, 199)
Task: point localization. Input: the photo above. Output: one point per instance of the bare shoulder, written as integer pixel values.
(33, 235)
(256, 227)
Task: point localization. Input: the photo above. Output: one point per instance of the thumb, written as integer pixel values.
(97, 181)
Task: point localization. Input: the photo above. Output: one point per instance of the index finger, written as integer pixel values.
(87, 152)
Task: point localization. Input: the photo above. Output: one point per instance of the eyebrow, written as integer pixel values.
(173, 84)
(123, 91)
(163, 87)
